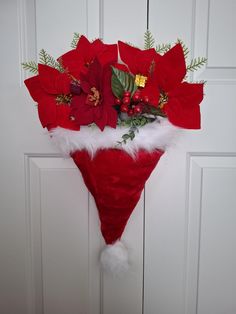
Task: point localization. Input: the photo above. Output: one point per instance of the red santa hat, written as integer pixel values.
(115, 176)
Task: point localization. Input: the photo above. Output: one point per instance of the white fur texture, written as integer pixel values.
(155, 135)
(114, 259)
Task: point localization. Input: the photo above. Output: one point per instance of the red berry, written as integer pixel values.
(126, 100)
(137, 109)
(124, 108)
(117, 101)
(146, 99)
(130, 112)
(126, 94)
(136, 97)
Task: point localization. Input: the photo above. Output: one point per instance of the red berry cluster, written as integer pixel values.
(132, 105)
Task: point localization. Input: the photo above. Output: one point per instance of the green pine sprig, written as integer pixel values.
(30, 66)
(47, 59)
(196, 64)
(149, 41)
(75, 40)
(43, 57)
(163, 48)
(128, 136)
(184, 47)
(131, 44)
(134, 124)
(55, 64)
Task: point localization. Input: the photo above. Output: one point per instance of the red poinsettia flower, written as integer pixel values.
(95, 103)
(142, 62)
(77, 61)
(182, 99)
(44, 89)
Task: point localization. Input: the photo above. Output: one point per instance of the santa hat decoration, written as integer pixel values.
(116, 181)
(115, 121)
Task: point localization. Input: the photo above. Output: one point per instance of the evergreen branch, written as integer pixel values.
(129, 136)
(55, 64)
(47, 59)
(162, 48)
(31, 66)
(184, 47)
(43, 57)
(75, 40)
(130, 44)
(60, 66)
(196, 64)
(156, 111)
(149, 40)
(134, 124)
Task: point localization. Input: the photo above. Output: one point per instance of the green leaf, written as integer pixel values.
(125, 136)
(122, 81)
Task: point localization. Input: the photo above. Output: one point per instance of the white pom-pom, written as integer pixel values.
(114, 258)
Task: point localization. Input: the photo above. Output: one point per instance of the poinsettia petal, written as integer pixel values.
(88, 50)
(100, 117)
(121, 67)
(152, 92)
(83, 45)
(63, 113)
(86, 87)
(73, 62)
(97, 46)
(52, 81)
(187, 118)
(108, 98)
(108, 55)
(47, 111)
(112, 117)
(183, 108)
(94, 75)
(144, 60)
(34, 87)
(128, 55)
(82, 112)
(138, 61)
(171, 68)
(189, 94)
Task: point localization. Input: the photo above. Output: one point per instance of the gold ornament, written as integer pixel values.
(140, 80)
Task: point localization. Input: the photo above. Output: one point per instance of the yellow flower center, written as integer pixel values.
(94, 97)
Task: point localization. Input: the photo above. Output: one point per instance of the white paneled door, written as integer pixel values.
(182, 235)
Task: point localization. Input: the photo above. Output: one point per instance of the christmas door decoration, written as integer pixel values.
(115, 118)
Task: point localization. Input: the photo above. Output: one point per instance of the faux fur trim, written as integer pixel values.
(114, 259)
(152, 136)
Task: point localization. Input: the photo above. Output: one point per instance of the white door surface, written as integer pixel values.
(182, 234)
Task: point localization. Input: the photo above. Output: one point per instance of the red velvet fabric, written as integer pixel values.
(116, 181)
